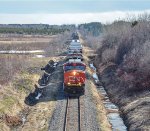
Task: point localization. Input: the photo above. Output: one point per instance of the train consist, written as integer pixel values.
(74, 68)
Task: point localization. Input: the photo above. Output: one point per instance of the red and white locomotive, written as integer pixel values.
(74, 77)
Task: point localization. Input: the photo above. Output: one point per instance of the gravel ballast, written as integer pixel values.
(88, 113)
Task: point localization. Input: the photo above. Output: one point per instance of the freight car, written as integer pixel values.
(75, 36)
(74, 55)
(75, 46)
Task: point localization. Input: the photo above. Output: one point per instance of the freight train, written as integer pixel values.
(75, 36)
(74, 68)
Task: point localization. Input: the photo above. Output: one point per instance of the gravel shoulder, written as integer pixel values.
(57, 120)
(89, 119)
(96, 97)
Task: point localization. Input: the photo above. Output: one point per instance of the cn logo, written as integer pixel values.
(74, 79)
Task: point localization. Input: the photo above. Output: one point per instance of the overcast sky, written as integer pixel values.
(69, 11)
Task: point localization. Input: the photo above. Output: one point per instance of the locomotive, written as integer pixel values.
(74, 69)
(74, 76)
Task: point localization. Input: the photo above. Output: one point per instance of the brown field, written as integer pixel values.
(11, 64)
(26, 42)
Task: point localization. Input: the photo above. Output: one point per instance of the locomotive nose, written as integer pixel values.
(74, 78)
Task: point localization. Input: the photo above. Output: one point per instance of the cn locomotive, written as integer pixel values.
(74, 68)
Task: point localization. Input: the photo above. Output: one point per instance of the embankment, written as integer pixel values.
(134, 105)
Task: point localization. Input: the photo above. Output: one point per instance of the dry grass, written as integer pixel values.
(38, 119)
(18, 75)
(26, 39)
(14, 93)
(11, 65)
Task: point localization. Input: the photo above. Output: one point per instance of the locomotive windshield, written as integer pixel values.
(74, 67)
(81, 67)
(68, 67)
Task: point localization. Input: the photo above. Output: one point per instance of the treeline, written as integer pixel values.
(49, 31)
(91, 33)
(34, 29)
(93, 28)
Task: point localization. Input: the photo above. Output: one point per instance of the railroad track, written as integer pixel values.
(72, 115)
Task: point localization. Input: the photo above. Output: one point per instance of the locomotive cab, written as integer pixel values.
(74, 77)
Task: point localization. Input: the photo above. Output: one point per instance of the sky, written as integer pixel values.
(69, 11)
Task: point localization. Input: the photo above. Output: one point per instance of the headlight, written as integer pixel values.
(74, 73)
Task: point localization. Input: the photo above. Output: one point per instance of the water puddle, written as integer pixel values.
(117, 122)
(103, 92)
(92, 67)
(110, 106)
(113, 111)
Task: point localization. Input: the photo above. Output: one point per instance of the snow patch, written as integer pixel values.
(20, 52)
